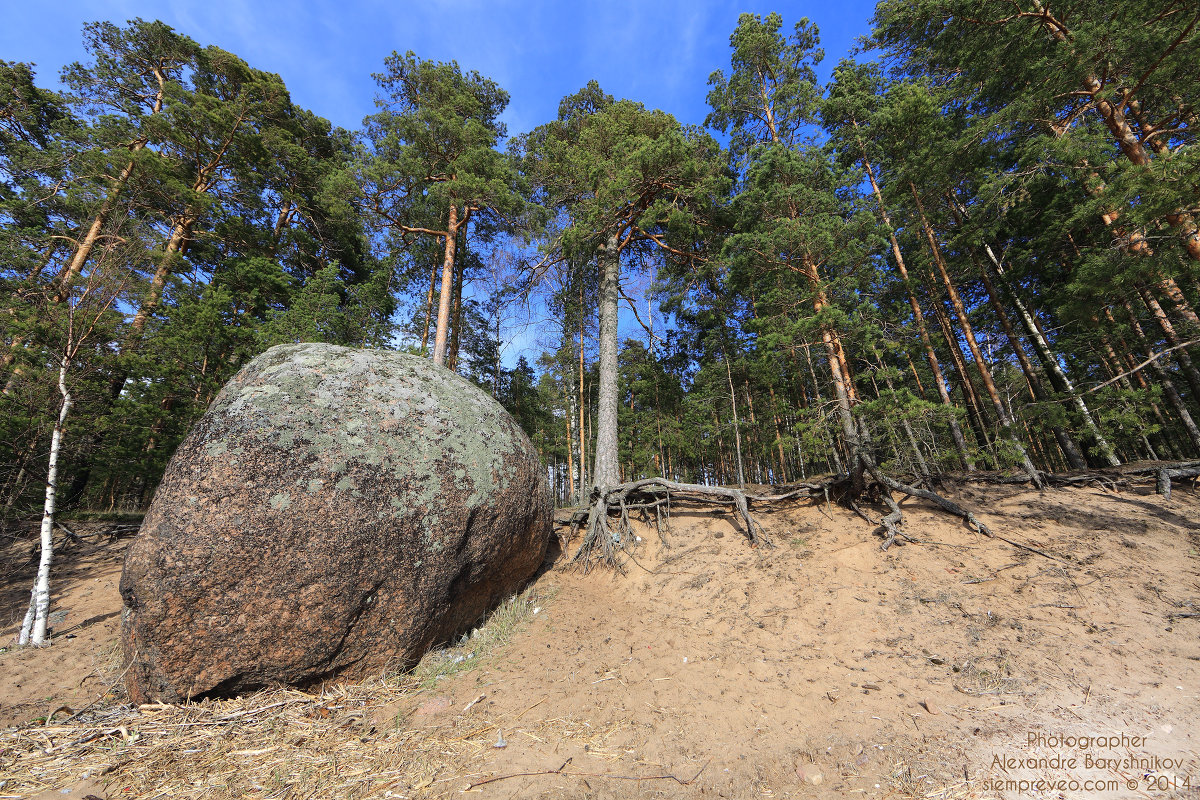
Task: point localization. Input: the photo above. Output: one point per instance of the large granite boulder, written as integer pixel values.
(335, 512)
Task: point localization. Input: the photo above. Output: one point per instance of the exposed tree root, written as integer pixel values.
(924, 494)
(605, 541)
(1113, 478)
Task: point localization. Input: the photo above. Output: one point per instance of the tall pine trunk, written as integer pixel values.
(1058, 377)
(964, 323)
(176, 247)
(1173, 338)
(583, 481)
(90, 237)
(443, 318)
(456, 316)
(960, 442)
(1164, 380)
(1066, 443)
(433, 277)
(606, 472)
(1115, 120)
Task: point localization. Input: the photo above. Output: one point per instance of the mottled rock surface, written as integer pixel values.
(335, 512)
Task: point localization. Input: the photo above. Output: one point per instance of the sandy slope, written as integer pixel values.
(820, 668)
(85, 615)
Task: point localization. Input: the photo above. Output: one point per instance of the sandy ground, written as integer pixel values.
(961, 666)
(85, 616)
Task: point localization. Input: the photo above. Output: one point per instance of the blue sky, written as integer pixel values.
(659, 52)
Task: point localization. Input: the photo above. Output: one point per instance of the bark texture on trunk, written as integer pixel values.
(1066, 443)
(33, 628)
(1058, 377)
(433, 277)
(1174, 339)
(443, 318)
(1164, 380)
(1115, 119)
(583, 482)
(964, 323)
(606, 472)
(960, 442)
(456, 317)
(88, 243)
(177, 244)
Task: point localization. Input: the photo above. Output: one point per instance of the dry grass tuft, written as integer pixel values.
(914, 782)
(501, 625)
(994, 675)
(344, 741)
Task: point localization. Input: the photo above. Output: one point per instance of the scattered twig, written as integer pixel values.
(561, 771)
(497, 778)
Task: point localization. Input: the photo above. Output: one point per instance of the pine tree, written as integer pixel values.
(631, 181)
(432, 167)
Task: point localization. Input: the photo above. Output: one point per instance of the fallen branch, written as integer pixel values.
(560, 771)
(1163, 473)
(498, 778)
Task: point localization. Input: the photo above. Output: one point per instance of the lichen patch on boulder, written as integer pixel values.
(335, 512)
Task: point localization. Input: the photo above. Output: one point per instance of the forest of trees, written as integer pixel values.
(979, 251)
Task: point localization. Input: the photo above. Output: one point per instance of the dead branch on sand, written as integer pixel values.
(560, 771)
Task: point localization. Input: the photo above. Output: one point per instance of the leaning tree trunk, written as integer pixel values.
(88, 243)
(964, 323)
(1066, 443)
(960, 442)
(1164, 380)
(958, 366)
(443, 317)
(1156, 137)
(177, 245)
(1122, 132)
(1058, 377)
(84, 250)
(606, 472)
(1174, 339)
(181, 233)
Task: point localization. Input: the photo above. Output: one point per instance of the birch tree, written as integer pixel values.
(84, 310)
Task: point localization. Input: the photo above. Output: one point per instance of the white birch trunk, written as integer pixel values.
(1057, 374)
(33, 629)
